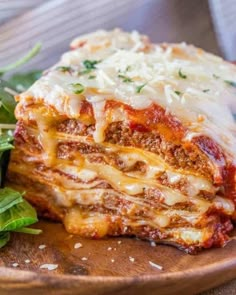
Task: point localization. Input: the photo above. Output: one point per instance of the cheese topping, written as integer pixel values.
(191, 83)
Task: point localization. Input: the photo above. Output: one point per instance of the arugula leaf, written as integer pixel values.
(18, 216)
(9, 198)
(34, 51)
(22, 82)
(4, 238)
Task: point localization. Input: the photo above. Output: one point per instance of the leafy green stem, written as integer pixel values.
(34, 51)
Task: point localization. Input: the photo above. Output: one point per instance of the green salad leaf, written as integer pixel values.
(18, 216)
(4, 238)
(9, 198)
(15, 212)
(28, 230)
(34, 51)
(21, 82)
(7, 104)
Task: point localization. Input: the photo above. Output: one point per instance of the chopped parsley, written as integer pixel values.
(182, 75)
(78, 88)
(91, 77)
(128, 68)
(64, 69)
(178, 92)
(140, 87)
(231, 83)
(125, 78)
(215, 76)
(206, 90)
(90, 64)
(84, 72)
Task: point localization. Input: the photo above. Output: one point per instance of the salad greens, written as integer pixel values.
(15, 212)
(34, 51)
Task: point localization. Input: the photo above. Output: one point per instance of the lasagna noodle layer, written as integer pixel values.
(85, 186)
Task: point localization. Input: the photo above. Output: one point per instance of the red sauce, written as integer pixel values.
(230, 183)
(210, 148)
(138, 127)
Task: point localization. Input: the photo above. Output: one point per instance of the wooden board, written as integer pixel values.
(113, 266)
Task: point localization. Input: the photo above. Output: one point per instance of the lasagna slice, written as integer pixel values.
(126, 137)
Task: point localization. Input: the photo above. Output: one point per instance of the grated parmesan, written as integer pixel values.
(41, 247)
(78, 245)
(156, 265)
(84, 258)
(49, 266)
(15, 264)
(131, 259)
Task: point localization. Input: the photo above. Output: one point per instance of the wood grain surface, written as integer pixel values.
(109, 266)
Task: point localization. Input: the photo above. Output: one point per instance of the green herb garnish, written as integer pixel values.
(125, 78)
(78, 88)
(128, 68)
(140, 87)
(91, 77)
(178, 92)
(215, 76)
(90, 64)
(231, 83)
(206, 90)
(64, 69)
(181, 75)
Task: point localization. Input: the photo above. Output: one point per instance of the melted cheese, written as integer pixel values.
(130, 155)
(198, 76)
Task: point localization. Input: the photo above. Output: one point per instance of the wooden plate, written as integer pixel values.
(111, 266)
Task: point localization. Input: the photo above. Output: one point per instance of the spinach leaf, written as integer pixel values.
(5, 142)
(15, 212)
(9, 198)
(29, 230)
(4, 238)
(7, 104)
(21, 82)
(18, 216)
